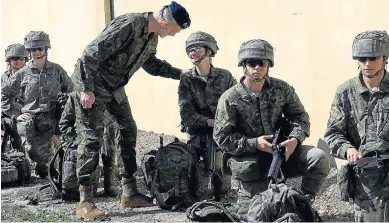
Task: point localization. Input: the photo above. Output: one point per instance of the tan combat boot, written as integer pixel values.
(110, 187)
(86, 209)
(131, 198)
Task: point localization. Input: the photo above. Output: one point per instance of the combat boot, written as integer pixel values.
(86, 209)
(110, 187)
(131, 198)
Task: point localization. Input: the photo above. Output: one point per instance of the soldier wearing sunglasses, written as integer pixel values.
(16, 57)
(38, 83)
(248, 115)
(358, 124)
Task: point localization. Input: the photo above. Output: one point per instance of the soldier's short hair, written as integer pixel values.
(166, 15)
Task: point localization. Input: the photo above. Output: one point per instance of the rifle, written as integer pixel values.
(278, 152)
(210, 157)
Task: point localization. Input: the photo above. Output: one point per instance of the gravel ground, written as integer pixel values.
(14, 206)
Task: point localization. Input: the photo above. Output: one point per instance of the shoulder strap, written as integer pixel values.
(191, 212)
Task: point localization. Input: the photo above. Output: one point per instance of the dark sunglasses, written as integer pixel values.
(196, 49)
(37, 49)
(364, 59)
(17, 58)
(254, 63)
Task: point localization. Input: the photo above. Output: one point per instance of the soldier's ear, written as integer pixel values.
(164, 23)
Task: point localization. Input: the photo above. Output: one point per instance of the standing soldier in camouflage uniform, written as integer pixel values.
(198, 96)
(108, 62)
(38, 83)
(247, 117)
(358, 126)
(16, 56)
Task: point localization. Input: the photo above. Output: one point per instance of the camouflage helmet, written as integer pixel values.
(36, 39)
(202, 38)
(256, 49)
(371, 44)
(15, 50)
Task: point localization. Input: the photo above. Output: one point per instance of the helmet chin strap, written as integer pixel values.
(196, 62)
(208, 52)
(253, 78)
(376, 73)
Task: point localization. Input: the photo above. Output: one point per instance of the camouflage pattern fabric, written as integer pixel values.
(358, 118)
(174, 175)
(16, 50)
(111, 139)
(256, 49)
(198, 98)
(67, 126)
(38, 92)
(202, 39)
(241, 117)
(281, 203)
(372, 43)
(118, 52)
(106, 65)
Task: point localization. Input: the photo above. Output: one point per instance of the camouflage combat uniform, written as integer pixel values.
(105, 67)
(38, 90)
(198, 98)
(358, 118)
(242, 117)
(13, 50)
(67, 126)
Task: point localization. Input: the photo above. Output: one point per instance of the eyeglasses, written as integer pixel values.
(37, 49)
(17, 58)
(196, 49)
(364, 59)
(254, 63)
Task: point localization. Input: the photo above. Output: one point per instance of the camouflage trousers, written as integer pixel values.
(12, 131)
(371, 201)
(36, 134)
(90, 131)
(307, 161)
(109, 155)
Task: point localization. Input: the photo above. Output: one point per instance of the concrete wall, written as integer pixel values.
(312, 39)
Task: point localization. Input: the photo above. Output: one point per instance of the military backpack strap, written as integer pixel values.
(192, 212)
(56, 183)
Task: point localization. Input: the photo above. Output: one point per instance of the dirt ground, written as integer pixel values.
(15, 207)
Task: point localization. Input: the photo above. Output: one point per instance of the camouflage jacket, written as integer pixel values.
(241, 117)
(359, 118)
(198, 97)
(38, 90)
(5, 78)
(118, 52)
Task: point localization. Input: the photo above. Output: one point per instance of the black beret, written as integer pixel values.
(180, 14)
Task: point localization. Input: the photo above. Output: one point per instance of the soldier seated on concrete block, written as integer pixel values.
(38, 85)
(246, 119)
(199, 94)
(358, 128)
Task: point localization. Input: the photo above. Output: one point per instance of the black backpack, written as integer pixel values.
(169, 174)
